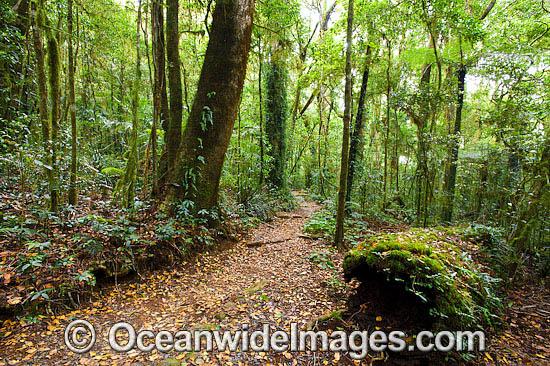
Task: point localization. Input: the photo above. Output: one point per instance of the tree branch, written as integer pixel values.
(542, 35)
(490, 7)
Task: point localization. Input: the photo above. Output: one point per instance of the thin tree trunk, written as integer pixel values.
(210, 125)
(451, 178)
(159, 82)
(386, 137)
(239, 157)
(72, 106)
(159, 60)
(43, 94)
(340, 214)
(422, 157)
(126, 185)
(355, 150)
(260, 61)
(53, 69)
(396, 151)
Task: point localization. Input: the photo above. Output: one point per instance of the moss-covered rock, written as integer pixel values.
(432, 266)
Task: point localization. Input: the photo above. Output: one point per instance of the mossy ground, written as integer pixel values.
(433, 265)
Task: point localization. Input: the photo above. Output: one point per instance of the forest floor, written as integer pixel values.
(273, 283)
(266, 278)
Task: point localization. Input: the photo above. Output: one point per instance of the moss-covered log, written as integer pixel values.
(457, 292)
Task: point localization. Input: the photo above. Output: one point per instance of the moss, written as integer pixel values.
(433, 268)
(275, 119)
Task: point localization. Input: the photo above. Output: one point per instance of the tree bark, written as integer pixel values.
(260, 62)
(355, 150)
(126, 184)
(340, 214)
(210, 125)
(173, 134)
(451, 177)
(43, 94)
(276, 115)
(387, 134)
(72, 107)
(53, 69)
(160, 105)
(422, 153)
(159, 60)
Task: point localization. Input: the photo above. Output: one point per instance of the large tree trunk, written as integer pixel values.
(173, 134)
(72, 107)
(340, 214)
(355, 150)
(275, 118)
(210, 125)
(453, 158)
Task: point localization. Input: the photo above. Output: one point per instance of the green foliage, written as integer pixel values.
(322, 258)
(456, 290)
(321, 223)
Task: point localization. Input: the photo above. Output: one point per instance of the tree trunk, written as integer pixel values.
(126, 185)
(260, 62)
(387, 134)
(340, 214)
(160, 106)
(72, 107)
(422, 154)
(275, 118)
(43, 95)
(482, 189)
(173, 134)
(159, 59)
(53, 69)
(451, 177)
(355, 150)
(210, 125)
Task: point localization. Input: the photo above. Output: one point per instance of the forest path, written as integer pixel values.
(272, 283)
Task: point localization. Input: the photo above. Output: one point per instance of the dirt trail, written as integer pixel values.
(273, 283)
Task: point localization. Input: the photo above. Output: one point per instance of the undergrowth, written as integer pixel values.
(56, 260)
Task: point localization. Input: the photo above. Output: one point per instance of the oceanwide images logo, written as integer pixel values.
(80, 337)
